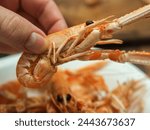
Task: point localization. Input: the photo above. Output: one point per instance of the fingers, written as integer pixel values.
(21, 35)
(46, 12)
(32, 20)
(10, 4)
(17, 32)
(6, 49)
(57, 26)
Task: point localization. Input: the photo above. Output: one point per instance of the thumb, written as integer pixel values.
(19, 33)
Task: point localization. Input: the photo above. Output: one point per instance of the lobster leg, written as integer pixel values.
(63, 45)
(111, 41)
(73, 57)
(142, 58)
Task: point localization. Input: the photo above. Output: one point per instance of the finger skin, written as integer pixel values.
(6, 49)
(40, 16)
(46, 12)
(15, 30)
(10, 4)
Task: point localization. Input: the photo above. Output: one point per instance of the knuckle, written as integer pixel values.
(12, 26)
(12, 29)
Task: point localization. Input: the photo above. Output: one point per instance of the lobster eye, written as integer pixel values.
(68, 97)
(59, 98)
(88, 22)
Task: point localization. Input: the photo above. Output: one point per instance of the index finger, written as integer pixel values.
(46, 12)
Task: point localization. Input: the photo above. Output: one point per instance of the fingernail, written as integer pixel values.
(36, 43)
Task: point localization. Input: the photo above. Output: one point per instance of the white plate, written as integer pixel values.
(112, 73)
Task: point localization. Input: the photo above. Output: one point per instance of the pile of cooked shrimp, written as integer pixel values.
(82, 90)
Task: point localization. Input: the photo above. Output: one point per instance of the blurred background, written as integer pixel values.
(135, 36)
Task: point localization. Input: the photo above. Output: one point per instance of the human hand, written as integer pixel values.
(25, 23)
